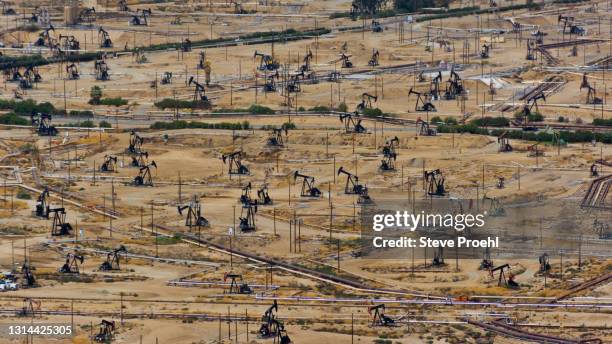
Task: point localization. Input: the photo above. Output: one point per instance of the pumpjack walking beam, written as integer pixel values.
(351, 125)
(71, 266)
(352, 186)
(144, 177)
(59, 226)
(112, 262)
(422, 104)
(234, 162)
(503, 280)
(378, 316)
(194, 214)
(308, 185)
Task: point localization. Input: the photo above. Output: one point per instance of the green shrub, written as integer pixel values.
(200, 125)
(260, 110)
(491, 122)
(22, 194)
(319, 108)
(342, 107)
(603, 122)
(375, 112)
(436, 119)
(113, 101)
(13, 119)
(450, 121)
(104, 124)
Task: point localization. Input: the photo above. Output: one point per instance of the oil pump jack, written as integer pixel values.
(486, 263)
(73, 72)
(144, 177)
(544, 263)
(186, 45)
(366, 102)
(122, 6)
(484, 51)
(45, 39)
(199, 91)
(275, 138)
(425, 129)
(504, 142)
(305, 67)
(454, 86)
(71, 266)
(141, 17)
(378, 316)
(568, 22)
(531, 46)
(166, 78)
(194, 214)
(389, 154)
(527, 110)
(234, 162)
(109, 164)
(434, 87)
(245, 197)
(263, 196)
(237, 285)
(266, 62)
(308, 185)
(503, 280)
(135, 143)
(422, 104)
(101, 69)
(106, 332)
(43, 120)
(270, 85)
(104, 39)
(87, 15)
(376, 27)
(374, 59)
(59, 226)
(351, 125)
(352, 186)
(70, 44)
(140, 159)
(591, 97)
(6, 10)
(247, 216)
(346, 62)
(27, 276)
(435, 183)
(42, 204)
(112, 262)
(438, 258)
(268, 326)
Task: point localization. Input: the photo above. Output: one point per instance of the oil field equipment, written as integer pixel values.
(438, 258)
(391, 146)
(501, 182)
(42, 204)
(237, 285)
(505, 277)
(268, 326)
(263, 196)
(194, 214)
(504, 142)
(346, 62)
(32, 74)
(245, 197)
(69, 44)
(43, 120)
(308, 185)
(266, 62)
(454, 86)
(425, 129)
(305, 67)
(29, 307)
(376, 27)
(366, 102)
(569, 27)
(378, 316)
(45, 38)
(351, 125)
(71, 266)
(594, 170)
(122, 6)
(109, 164)
(531, 48)
(141, 17)
(87, 15)
(544, 263)
(591, 97)
(202, 60)
(101, 69)
(144, 177)
(135, 143)
(247, 216)
(270, 85)
(140, 159)
(112, 262)
(104, 39)
(434, 181)
(484, 51)
(422, 103)
(106, 332)
(352, 186)
(234, 162)
(72, 71)
(486, 263)
(275, 138)
(6, 10)
(534, 150)
(166, 78)
(281, 335)
(374, 59)
(495, 206)
(532, 102)
(186, 45)
(434, 87)
(59, 226)
(199, 91)
(294, 84)
(27, 276)
(390, 154)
